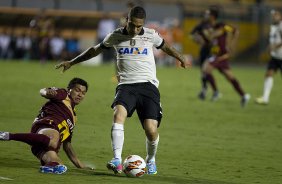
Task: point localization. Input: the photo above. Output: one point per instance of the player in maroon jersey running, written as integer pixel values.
(223, 38)
(54, 126)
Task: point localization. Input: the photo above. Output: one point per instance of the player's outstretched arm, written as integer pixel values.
(72, 156)
(48, 92)
(185, 63)
(88, 54)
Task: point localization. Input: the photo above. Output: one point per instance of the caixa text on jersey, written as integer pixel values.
(133, 50)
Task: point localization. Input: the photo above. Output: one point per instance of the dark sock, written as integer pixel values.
(204, 82)
(211, 80)
(237, 87)
(31, 138)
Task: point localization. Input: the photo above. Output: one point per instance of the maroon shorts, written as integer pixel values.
(39, 151)
(220, 65)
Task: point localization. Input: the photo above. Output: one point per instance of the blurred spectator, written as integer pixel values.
(72, 48)
(34, 52)
(44, 25)
(23, 46)
(166, 33)
(105, 26)
(12, 46)
(19, 52)
(5, 40)
(57, 45)
(27, 43)
(164, 30)
(177, 36)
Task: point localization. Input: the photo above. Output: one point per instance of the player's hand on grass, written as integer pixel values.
(89, 168)
(66, 65)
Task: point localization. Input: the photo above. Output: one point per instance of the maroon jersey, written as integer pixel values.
(57, 113)
(219, 44)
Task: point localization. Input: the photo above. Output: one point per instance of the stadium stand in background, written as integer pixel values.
(76, 22)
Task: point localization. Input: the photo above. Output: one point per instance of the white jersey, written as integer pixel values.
(275, 37)
(135, 58)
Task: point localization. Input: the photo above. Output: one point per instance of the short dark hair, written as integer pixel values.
(214, 11)
(137, 12)
(79, 81)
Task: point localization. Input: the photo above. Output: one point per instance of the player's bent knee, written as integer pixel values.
(51, 156)
(53, 135)
(53, 144)
(151, 131)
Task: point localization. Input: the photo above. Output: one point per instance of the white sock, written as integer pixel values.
(117, 139)
(151, 147)
(268, 83)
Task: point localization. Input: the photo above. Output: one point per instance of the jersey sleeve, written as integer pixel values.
(158, 41)
(229, 28)
(108, 41)
(61, 93)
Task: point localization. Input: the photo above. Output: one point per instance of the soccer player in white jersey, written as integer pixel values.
(138, 85)
(275, 40)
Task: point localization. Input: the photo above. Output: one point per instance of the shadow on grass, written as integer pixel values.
(149, 179)
(122, 177)
(188, 180)
(76, 171)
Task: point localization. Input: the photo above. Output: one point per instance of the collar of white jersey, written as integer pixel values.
(124, 31)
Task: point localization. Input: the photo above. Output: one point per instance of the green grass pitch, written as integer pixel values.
(201, 142)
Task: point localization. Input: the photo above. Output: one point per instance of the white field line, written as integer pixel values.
(4, 178)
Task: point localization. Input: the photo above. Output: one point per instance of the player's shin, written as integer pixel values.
(268, 83)
(117, 139)
(204, 82)
(151, 147)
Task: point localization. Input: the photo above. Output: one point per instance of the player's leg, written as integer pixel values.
(49, 156)
(123, 106)
(203, 56)
(150, 114)
(117, 136)
(273, 65)
(236, 85)
(267, 87)
(29, 138)
(152, 140)
(4, 136)
(53, 163)
(207, 69)
(202, 94)
(120, 114)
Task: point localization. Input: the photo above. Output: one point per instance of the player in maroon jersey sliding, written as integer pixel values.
(54, 125)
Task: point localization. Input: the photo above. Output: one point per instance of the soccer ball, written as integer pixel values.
(134, 166)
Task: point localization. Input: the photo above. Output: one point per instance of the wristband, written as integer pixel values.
(43, 91)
